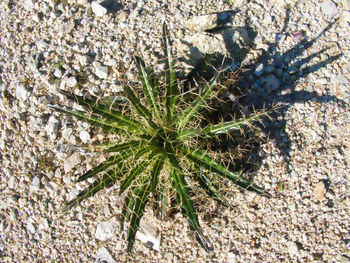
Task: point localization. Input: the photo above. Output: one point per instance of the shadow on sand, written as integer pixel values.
(255, 91)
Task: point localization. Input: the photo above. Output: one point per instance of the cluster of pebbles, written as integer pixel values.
(299, 56)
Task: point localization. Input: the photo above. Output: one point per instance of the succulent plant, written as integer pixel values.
(157, 154)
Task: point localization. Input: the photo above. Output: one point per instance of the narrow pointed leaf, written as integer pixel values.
(171, 89)
(127, 208)
(197, 104)
(209, 188)
(221, 128)
(183, 198)
(106, 180)
(110, 146)
(139, 107)
(127, 150)
(107, 126)
(203, 160)
(136, 171)
(184, 135)
(104, 111)
(139, 208)
(229, 126)
(158, 166)
(147, 87)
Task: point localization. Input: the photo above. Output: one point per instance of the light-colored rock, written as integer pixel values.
(293, 249)
(28, 5)
(344, 259)
(105, 230)
(71, 162)
(52, 127)
(43, 224)
(66, 133)
(259, 69)
(346, 4)
(320, 190)
(35, 185)
(98, 9)
(84, 136)
(71, 82)
(322, 81)
(31, 228)
(4, 205)
(148, 234)
(102, 255)
(21, 92)
(58, 73)
(82, 2)
(201, 23)
(339, 79)
(329, 8)
(101, 71)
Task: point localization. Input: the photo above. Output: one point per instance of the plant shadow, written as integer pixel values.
(270, 80)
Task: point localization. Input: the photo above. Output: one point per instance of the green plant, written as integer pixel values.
(157, 151)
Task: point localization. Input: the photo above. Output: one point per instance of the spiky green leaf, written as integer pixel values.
(203, 160)
(107, 179)
(104, 111)
(125, 151)
(184, 135)
(139, 107)
(158, 166)
(93, 120)
(127, 207)
(221, 128)
(137, 170)
(209, 187)
(197, 104)
(147, 87)
(183, 199)
(229, 126)
(171, 89)
(137, 213)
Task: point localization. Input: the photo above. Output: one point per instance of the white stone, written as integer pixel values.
(84, 136)
(259, 69)
(101, 71)
(346, 4)
(293, 249)
(148, 234)
(329, 8)
(71, 162)
(71, 82)
(82, 2)
(31, 228)
(43, 224)
(28, 5)
(4, 205)
(102, 255)
(105, 230)
(322, 81)
(52, 128)
(35, 185)
(58, 73)
(111, 62)
(320, 190)
(66, 133)
(2, 144)
(21, 93)
(201, 23)
(98, 9)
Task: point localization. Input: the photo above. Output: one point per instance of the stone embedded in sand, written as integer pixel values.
(320, 190)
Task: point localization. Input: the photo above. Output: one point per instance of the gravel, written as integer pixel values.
(49, 45)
